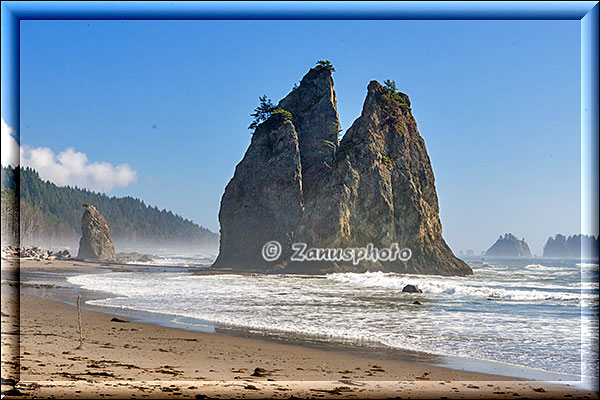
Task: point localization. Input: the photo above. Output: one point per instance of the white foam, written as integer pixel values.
(531, 327)
(586, 264)
(455, 286)
(196, 260)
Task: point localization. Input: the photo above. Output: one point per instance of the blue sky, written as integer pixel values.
(497, 102)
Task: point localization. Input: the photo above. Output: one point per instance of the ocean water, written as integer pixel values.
(539, 314)
(170, 259)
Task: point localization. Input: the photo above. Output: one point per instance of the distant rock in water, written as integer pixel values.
(133, 257)
(573, 246)
(95, 242)
(297, 183)
(411, 289)
(509, 246)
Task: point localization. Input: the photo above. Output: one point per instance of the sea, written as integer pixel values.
(537, 318)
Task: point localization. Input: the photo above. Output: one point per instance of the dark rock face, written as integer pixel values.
(313, 106)
(411, 289)
(381, 190)
(509, 246)
(263, 201)
(95, 242)
(133, 257)
(297, 183)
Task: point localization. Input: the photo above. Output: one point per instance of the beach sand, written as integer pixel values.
(131, 359)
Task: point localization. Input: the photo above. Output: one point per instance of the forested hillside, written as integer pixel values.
(51, 212)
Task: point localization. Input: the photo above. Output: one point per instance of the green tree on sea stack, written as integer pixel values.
(392, 94)
(326, 64)
(262, 112)
(390, 85)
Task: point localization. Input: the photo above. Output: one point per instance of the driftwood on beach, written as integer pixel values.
(33, 253)
(79, 321)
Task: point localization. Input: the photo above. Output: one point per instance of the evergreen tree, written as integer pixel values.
(48, 210)
(325, 64)
(262, 112)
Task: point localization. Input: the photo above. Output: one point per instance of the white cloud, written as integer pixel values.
(73, 168)
(10, 147)
(69, 167)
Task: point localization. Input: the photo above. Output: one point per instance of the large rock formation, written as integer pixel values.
(298, 184)
(574, 246)
(509, 246)
(95, 242)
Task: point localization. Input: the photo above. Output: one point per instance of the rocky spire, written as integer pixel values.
(382, 191)
(263, 200)
(296, 183)
(95, 242)
(313, 105)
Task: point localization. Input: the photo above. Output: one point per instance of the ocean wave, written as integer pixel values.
(178, 261)
(585, 285)
(541, 267)
(588, 265)
(453, 286)
(366, 309)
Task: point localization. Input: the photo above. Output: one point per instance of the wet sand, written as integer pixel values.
(132, 359)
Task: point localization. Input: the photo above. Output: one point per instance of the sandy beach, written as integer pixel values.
(124, 359)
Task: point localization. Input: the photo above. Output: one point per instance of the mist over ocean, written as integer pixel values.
(523, 312)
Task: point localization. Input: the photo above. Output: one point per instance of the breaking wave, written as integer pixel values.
(459, 286)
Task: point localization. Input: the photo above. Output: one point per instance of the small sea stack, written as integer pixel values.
(95, 242)
(509, 246)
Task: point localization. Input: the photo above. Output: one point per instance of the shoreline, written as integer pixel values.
(55, 272)
(176, 351)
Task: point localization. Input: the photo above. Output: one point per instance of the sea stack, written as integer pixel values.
(95, 242)
(509, 246)
(297, 183)
(574, 246)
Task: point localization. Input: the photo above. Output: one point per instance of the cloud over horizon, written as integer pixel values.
(69, 167)
(10, 153)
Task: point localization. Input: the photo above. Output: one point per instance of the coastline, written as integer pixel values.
(146, 351)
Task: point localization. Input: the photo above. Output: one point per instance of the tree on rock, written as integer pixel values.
(325, 64)
(262, 112)
(390, 85)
